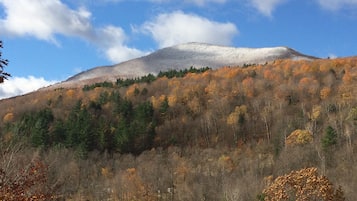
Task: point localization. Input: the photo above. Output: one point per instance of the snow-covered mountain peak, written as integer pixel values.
(195, 46)
(186, 55)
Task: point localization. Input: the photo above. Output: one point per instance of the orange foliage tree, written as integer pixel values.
(347, 77)
(302, 185)
(309, 86)
(248, 85)
(8, 117)
(299, 137)
(237, 118)
(325, 93)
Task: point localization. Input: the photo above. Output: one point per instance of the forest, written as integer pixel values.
(251, 132)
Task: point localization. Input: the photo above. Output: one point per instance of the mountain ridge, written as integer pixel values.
(183, 56)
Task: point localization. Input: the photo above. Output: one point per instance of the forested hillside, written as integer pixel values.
(190, 135)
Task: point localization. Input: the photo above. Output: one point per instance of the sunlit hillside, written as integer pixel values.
(202, 134)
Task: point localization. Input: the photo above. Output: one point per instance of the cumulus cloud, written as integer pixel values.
(173, 28)
(266, 7)
(43, 19)
(21, 85)
(337, 4)
(113, 44)
(121, 53)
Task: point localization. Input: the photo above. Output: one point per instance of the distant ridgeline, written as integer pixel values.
(147, 78)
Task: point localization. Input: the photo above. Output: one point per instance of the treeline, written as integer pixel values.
(146, 78)
(99, 84)
(181, 73)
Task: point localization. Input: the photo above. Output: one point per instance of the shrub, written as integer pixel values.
(305, 184)
(299, 137)
(26, 184)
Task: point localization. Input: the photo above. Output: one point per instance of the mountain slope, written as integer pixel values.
(184, 56)
(210, 126)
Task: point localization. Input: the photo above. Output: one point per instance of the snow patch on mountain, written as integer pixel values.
(186, 55)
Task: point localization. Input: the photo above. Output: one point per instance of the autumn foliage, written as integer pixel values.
(302, 185)
(211, 135)
(26, 185)
(299, 137)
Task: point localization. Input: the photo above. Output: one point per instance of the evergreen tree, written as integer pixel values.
(105, 135)
(85, 131)
(36, 126)
(126, 109)
(330, 138)
(71, 126)
(142, 127)
(3, 63)
(58, 133)
(123, 137)
(164, 106)
(40, 128)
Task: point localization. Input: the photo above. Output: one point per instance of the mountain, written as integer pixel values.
(219, 135)
(184, 56)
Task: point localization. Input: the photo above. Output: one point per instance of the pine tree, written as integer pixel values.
(164, 106)
(329, 139)
(3, 63)
(40, 128)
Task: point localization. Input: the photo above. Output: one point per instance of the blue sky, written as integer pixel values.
(49, 40)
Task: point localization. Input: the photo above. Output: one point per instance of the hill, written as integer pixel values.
(211, 134)
(183, 56)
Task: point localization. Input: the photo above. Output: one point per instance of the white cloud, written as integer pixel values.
(173, 28)
(332, 56)
(266, 7)
(121, 53)
(43, 19)
(21, 85)
(337, 4)
(112, 40)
